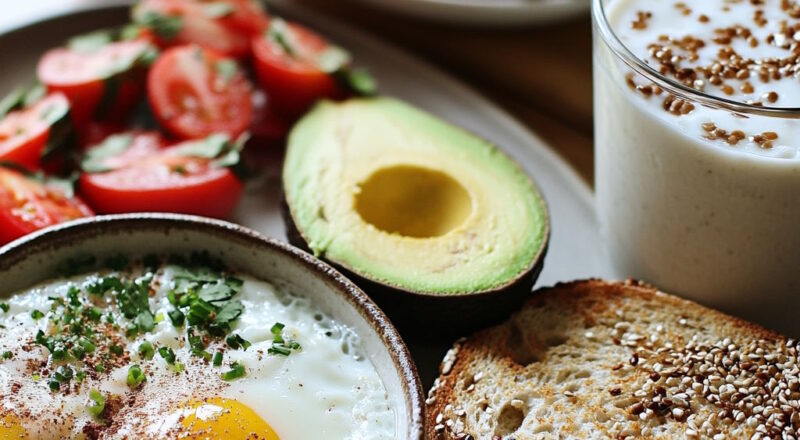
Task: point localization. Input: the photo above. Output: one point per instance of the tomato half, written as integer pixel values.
(195, 93)
(106, 77)
(27, 205)
(224, 26)
(24, 134)
(288, 67)
(150, 178)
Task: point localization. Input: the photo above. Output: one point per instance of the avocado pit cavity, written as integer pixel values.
(412, 201)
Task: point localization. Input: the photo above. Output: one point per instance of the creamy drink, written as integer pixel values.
(698, 149)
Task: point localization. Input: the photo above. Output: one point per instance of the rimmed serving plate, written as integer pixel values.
(575, 246)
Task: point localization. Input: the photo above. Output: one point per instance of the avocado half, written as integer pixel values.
(435, 224)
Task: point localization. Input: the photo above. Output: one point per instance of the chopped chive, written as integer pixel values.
(135, 376)
(218, 359)
(236, 342)
(97, 403)
(4, 307)
(167, 354)
(99, 368)
(146, 350)
(80, 376)
(177, 318)
(236, 371)
(54, 384)
(116, 349)
(7, 355)
(35, 314)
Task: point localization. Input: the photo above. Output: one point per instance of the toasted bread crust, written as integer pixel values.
(543, 382)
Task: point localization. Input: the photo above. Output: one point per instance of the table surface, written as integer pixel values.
(541, 75)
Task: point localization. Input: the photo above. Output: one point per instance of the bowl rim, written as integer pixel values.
(63, 235)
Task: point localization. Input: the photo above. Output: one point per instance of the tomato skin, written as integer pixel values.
(26, 149)
(27, 205)
(294, 83)
(186, 96)
(228, 36)
(78, 75)
(143, 179)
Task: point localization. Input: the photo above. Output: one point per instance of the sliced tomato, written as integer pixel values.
(27, 205)
(287, 61)
(25, 134)
(146, 177)
(105, 82)
(194, 93)
(224, 26)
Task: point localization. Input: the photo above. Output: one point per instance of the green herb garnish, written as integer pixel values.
(4, 307)
(167, 354)
(135, 376)
(217, 359)
(236, 371)
(236, 342)
(97, 403)
(7, 355)
(177, 318)
(35, 314)
(146, 350)
(280, 345)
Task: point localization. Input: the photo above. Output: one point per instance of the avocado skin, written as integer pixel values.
(435, 317)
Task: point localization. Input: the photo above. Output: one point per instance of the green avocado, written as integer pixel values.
(402, 199)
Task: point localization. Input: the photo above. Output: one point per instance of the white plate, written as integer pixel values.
(575, 248)
(497, 13)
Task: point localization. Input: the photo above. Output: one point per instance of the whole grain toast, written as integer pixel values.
(594, 359)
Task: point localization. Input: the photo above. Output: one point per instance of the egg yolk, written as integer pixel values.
(11, 429)
(220, 418)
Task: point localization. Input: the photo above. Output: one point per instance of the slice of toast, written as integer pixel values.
(594, 359)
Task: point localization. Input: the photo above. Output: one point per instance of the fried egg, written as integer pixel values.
(324, 388)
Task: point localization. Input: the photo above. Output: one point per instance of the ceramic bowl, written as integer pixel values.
(38, 256)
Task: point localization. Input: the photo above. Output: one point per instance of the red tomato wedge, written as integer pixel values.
(103, 82)
(27, 205)
(25, 134)
(140, 175)
(287, 61)
(195, 93)
(224, 26)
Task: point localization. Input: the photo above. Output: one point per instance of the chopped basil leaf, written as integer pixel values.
(217, 9)
(333, 59)
(360, 81)
(90, 42)
(218, 359)
(226, 69)
(279, 33)
(97, 403)
(135, 376)
(236, 371)
(12, 101)
(165, 26)
(236, 342)
(167, 354)
(146, 350)
(96, 156)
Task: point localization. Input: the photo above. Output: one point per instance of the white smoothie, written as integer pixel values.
(696, 200)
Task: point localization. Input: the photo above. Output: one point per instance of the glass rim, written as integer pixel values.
(672, 86)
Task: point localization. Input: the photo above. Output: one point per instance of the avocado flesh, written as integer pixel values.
(400, 197)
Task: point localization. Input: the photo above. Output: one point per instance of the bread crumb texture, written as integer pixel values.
(593, 359)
